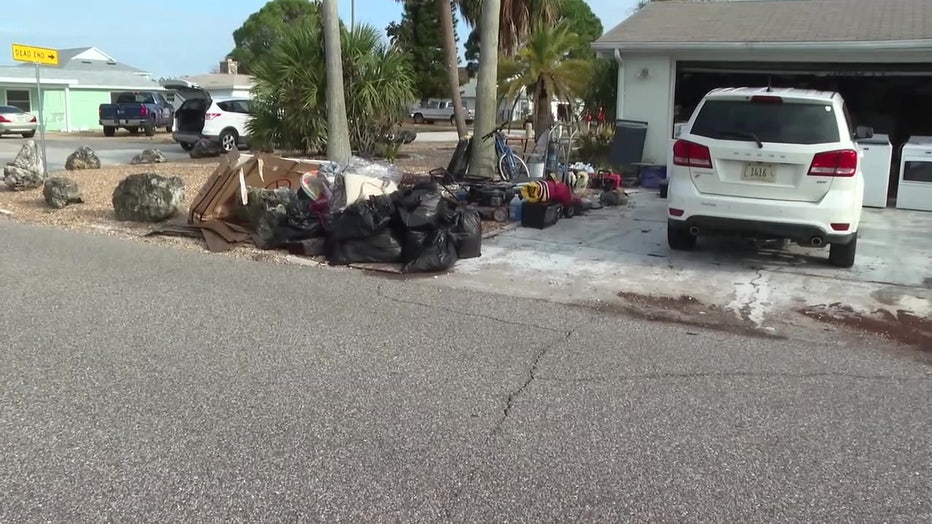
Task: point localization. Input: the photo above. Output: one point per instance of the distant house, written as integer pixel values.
(72, 91)
(227, 83)
(508, 110)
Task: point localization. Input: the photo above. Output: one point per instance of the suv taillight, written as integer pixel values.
(211, 116)
(143, 111)
(843, 163)
(34, 120)
(691, 154)
(3, 119)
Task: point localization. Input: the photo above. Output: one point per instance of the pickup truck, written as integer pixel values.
(435, 110)
(148, 110)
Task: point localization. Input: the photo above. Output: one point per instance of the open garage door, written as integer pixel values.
(894, 99)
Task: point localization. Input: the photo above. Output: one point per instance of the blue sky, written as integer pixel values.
(178, 37)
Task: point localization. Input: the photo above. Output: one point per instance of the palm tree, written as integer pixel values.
(338, 141)
(544, 68)
(504, 26)
(290, 102)
(517, 18)
(445, 9)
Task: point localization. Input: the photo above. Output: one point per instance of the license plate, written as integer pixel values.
(760, 173)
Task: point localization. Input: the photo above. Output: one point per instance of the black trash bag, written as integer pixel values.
(414, 243)
(418, 207)
(362, 219)
(381, 248)
(439, 254)
(300, 223)
(311, 247)
(266, 225)
(467, 233)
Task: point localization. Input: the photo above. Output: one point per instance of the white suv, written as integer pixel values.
(223, 121)
(769, 164)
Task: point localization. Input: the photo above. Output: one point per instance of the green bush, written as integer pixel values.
(290, 104)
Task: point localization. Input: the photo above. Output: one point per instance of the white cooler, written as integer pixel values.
(875, 164)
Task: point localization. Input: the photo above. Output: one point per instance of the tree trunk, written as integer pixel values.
(453, 72)
(483, 159)
(543, 116)
(338, 142)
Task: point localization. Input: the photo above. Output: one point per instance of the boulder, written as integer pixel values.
(204, 148)
(82, 158)
(26, 170)
(60, 191)
(148, 156)
(148, 197)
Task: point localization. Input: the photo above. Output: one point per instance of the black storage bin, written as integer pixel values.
(664, 187)
(540, 216)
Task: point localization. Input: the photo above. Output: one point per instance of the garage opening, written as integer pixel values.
(894, 99)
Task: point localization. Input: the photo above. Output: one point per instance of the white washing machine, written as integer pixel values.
(875, 164)
(915, 189)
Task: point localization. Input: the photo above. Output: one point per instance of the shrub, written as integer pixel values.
(290, 105)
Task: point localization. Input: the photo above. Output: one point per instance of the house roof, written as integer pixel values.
(796, 23)
(78, 78)
(220, 81)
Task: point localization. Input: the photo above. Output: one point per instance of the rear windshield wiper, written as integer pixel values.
(742, 134)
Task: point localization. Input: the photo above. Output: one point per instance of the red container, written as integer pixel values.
(606, 181)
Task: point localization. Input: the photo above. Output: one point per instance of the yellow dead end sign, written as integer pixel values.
(36, 55)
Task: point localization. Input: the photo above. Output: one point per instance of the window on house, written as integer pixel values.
(18, 98)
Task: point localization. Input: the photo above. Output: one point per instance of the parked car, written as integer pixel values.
(438, 110)
(769, 164)
(222, 120)
(15, 121)
(133, 110)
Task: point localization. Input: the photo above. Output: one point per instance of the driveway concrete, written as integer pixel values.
(145, 384)
(617, 250)
(111, 150)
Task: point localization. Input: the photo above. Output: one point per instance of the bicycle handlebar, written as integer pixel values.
(491, 133)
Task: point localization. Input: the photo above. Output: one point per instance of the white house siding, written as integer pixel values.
(650, 98)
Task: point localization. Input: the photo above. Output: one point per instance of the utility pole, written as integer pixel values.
(483, 162)
(352, 20)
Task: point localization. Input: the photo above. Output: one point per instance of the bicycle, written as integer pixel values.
(510, 165)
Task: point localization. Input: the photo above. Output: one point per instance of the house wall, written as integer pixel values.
(83, 104)
(648, 97)
(53, 104)
(235, 93)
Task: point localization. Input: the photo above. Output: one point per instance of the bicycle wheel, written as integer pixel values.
(511, 167)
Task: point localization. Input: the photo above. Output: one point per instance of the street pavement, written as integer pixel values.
(146, 384)
(110, 150)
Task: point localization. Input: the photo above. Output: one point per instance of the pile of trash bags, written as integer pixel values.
(416, 227)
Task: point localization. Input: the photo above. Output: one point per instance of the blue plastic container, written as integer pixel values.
(651, 176)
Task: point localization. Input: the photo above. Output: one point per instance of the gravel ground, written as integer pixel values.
(96, 214)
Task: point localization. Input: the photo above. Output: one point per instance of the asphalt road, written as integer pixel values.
(145, 384)
(112, 150)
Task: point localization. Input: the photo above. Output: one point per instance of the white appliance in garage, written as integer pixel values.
(875, 165)
(915, 189)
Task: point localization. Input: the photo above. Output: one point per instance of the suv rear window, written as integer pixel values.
(782, 123)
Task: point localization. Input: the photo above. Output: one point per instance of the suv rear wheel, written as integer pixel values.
(228, 140)
(418, 118)
(842, 255)
(680, 239)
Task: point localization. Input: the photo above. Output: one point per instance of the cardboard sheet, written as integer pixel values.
(216, 200)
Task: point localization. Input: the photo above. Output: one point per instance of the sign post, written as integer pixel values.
(38, 55)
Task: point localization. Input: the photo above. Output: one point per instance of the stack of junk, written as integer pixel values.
(537, 202)
(353, 214)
